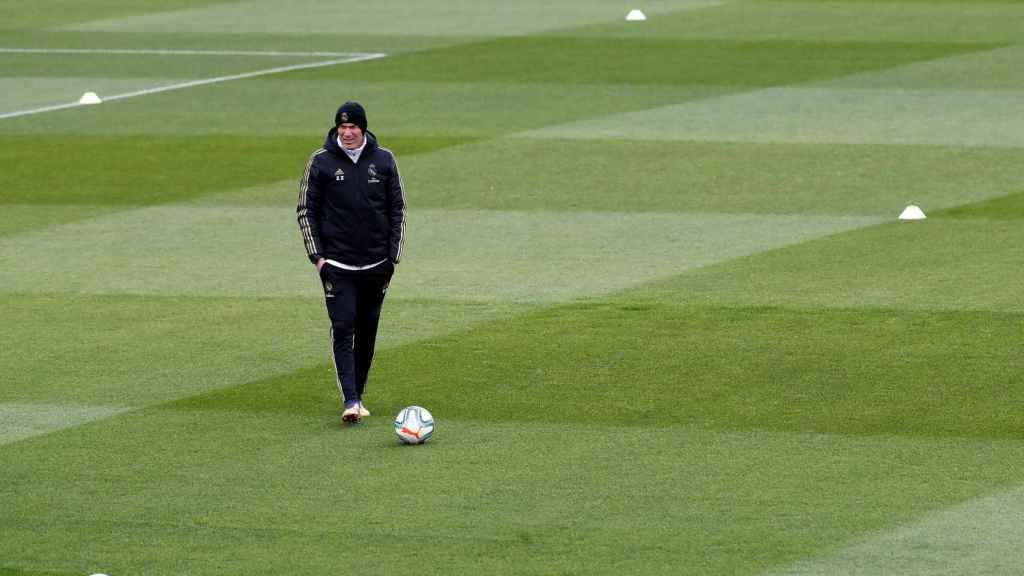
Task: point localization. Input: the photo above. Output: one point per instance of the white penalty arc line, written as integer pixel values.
(194, 83)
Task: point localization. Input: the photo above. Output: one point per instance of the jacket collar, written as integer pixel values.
(331, 144)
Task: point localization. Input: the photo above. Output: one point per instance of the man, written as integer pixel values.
(351, 214)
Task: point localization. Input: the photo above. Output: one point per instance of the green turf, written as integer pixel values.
(654, 291)
(27, 14)
(952, 118)
(714, 176)
(484, 110)
(136, 351)
(206, 250)
(20, 218)
(252, 40)
(938, 264)
(274, 492)
(659, 61)
(835, 20)
(389, 18)
(155, 168)
(989, 70)
(1009, 207)
(141, 65)
(143, 169)
(734, 368)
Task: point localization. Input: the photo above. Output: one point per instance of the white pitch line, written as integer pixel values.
(158, 52)
(194, 83)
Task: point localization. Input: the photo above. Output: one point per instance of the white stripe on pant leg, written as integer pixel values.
(337, 371)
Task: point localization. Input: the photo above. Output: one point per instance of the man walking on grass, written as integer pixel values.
(351, 214)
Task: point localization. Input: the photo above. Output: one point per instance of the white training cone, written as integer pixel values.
(89, 98)
(635, 16)
(912, 213)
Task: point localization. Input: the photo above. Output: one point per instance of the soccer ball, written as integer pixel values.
(414, 425)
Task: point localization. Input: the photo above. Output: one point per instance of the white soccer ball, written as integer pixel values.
(414, 425)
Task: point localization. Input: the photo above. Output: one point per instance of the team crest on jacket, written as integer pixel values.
(339, 175)
(371, 172)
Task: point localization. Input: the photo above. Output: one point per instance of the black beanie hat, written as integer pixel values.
(351, 112)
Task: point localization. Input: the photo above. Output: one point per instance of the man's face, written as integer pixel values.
(351, 135)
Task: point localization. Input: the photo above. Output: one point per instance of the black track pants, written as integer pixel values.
(353, 304)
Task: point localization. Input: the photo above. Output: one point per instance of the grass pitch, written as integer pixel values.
(654, 291)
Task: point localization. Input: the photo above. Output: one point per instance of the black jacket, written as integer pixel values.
(352, 213)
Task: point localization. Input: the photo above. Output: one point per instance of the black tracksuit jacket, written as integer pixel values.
(352, 213)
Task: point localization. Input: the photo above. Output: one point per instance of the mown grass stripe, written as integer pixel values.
(21, 420)
(166, 52)
(979, 536)
(196, 83)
